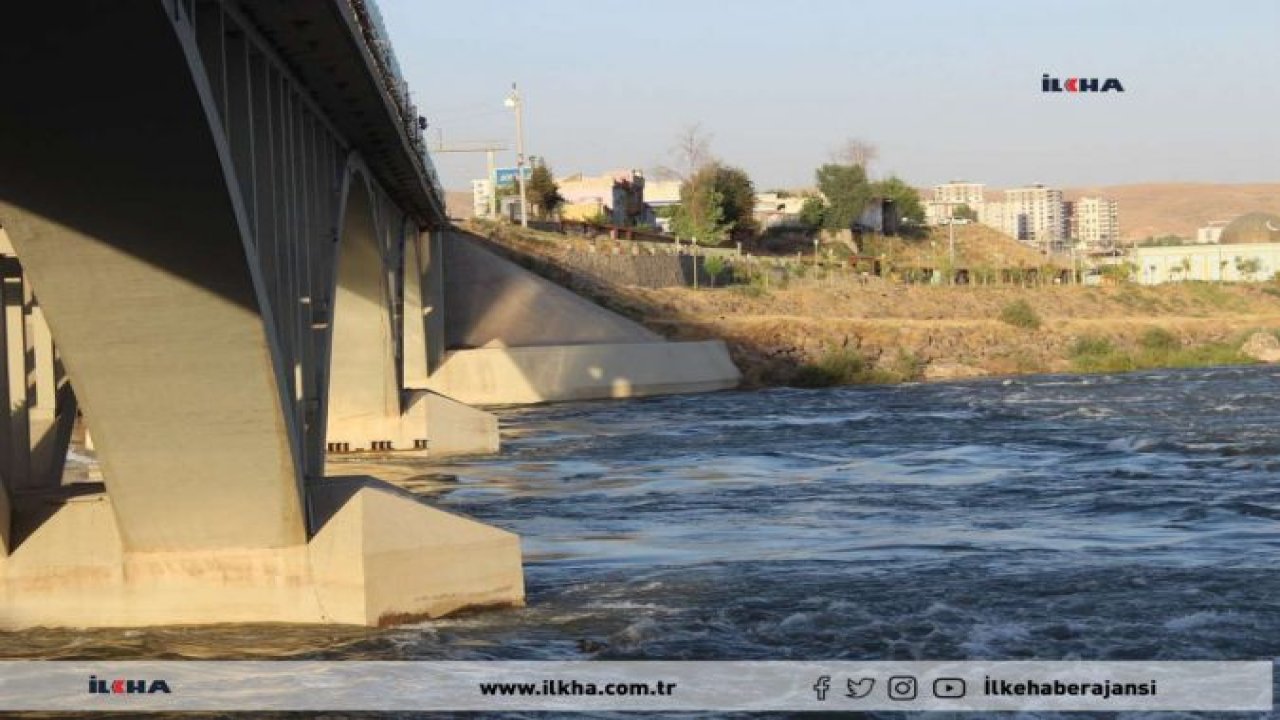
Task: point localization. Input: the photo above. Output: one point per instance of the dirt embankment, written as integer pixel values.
(896, 331)
(937, 332)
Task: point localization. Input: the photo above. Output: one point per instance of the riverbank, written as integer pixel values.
(878, 331)
(895, 333)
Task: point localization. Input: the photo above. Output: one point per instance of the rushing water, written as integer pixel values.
(1061, 517)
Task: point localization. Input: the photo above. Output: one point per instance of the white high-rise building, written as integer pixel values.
(1035, 216)
(1094, 223)
(959, 192)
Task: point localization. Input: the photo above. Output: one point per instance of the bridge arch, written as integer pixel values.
(364, 401)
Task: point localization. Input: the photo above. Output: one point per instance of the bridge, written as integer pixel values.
(225, 253)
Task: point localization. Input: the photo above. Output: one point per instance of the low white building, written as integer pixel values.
(1211, 233)
(772, 209)
(1248, 251)
(1245, 262)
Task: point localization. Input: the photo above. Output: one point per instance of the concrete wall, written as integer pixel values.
(495, 303)
(502, 376)
(649, 271)
(1207, 263)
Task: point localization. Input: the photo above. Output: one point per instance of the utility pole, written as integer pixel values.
(951, 241)
(488, 148)
(516, 102)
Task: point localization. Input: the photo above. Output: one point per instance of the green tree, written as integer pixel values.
(716, 202)
(700, 216)
(714, 265)
(964, 212)
(905, 198)
(846, 190)
(738, 198)
(1119, 272)
(812, 212)
(542, 192)
(1248, 268)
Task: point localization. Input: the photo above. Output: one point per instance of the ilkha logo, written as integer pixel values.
(120, 686)
(1079, 84)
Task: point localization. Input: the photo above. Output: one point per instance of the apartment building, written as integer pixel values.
(951, 195)
(1035, 215)
(1093, 223)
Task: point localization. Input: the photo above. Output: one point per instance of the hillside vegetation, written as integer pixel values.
(881, 331)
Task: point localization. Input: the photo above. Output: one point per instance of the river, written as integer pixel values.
(1058, 517)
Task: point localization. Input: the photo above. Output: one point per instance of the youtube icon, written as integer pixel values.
(948, 688)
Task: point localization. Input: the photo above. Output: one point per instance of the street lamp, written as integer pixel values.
(515, 102)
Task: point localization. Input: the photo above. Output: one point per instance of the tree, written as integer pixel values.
(726, 189)
(904, 197)
(964, 212)
(714, 265)
(737, 198)
(691, 152)
(700, 217)
(846, 191)
(542, 192)
(1119, 273)
(812, 212)
(858, 152)
(1248, 268)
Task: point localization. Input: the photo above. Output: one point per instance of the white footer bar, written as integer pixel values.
(584, 686)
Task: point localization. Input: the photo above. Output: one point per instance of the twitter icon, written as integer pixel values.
(860, 688)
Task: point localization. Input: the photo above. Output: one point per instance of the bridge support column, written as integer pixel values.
(174, 288)
(366, 412)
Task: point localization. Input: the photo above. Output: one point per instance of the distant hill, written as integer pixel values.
(1179, 208)
(458, 204)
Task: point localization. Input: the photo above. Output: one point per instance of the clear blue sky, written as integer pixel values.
(944, 89)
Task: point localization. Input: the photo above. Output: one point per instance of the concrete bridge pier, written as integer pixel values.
(219, 271)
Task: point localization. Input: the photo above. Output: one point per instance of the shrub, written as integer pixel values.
(1019, 314)
(1159, 339)
(1115, 361)
(714, 265)
(837, 367)
(1158, 355)
(907, 366)
(752, 290)
(1207, 355)
(1091, 345)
